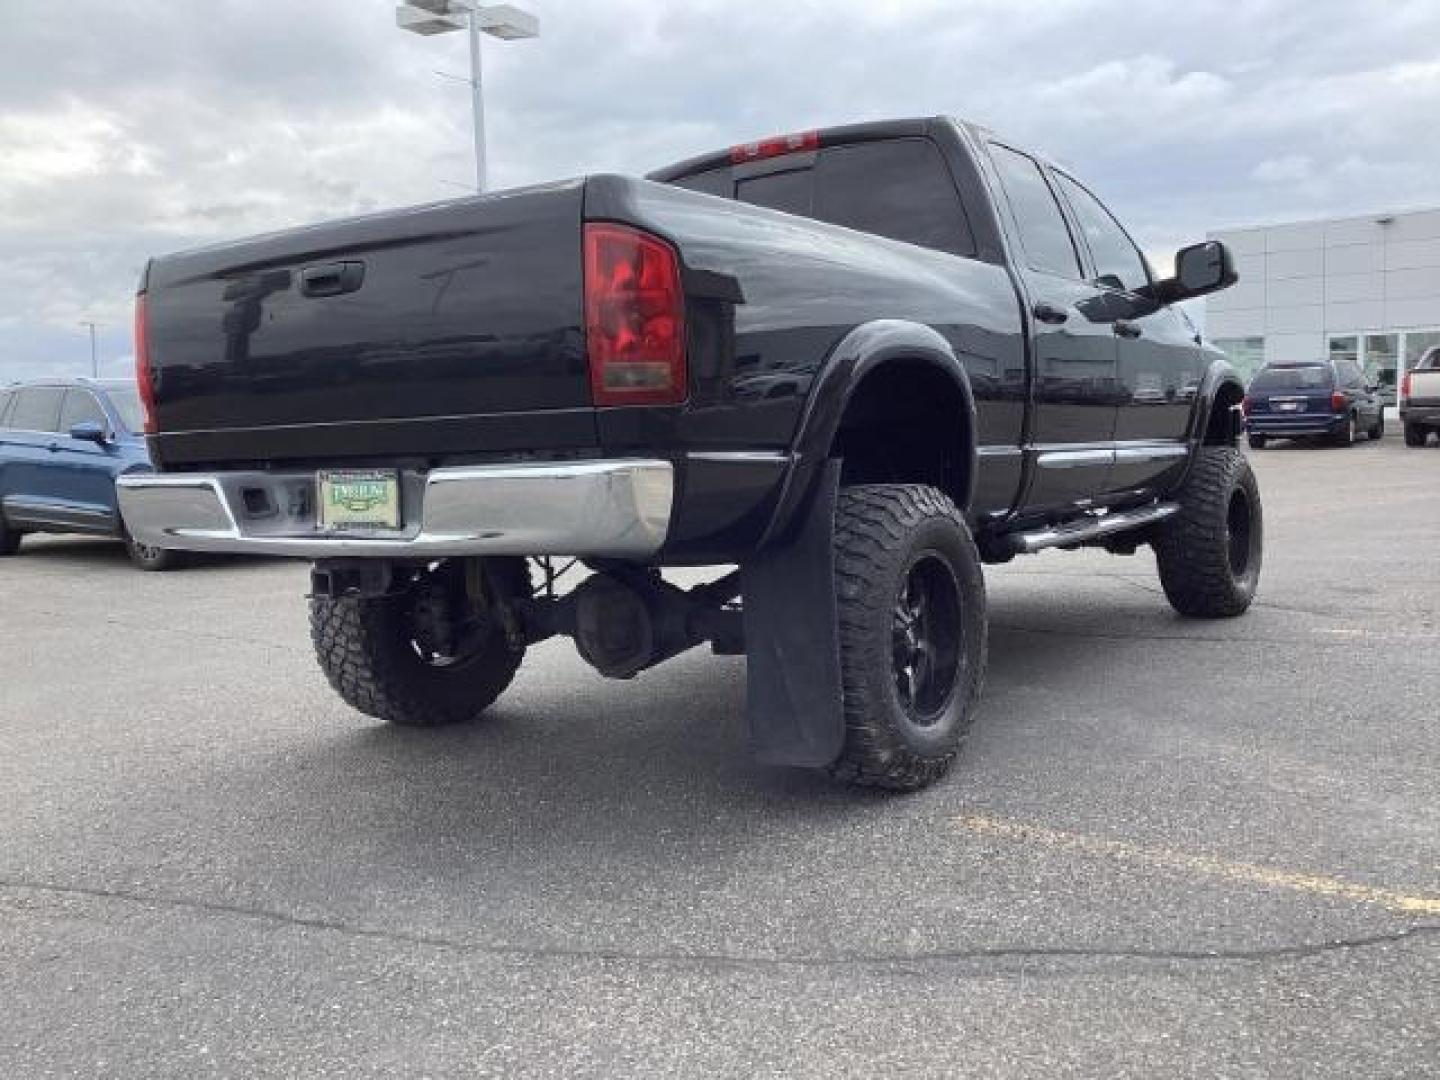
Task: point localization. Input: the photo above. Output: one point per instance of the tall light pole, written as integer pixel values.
(504, 21)
(94, 357)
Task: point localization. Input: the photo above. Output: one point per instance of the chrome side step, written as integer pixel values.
(1093, 527)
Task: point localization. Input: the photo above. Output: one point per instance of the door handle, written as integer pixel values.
(1126, 329)
(54, 447)
(331, 279)
(1047, 312)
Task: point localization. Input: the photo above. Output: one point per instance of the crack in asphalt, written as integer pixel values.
(900, 962)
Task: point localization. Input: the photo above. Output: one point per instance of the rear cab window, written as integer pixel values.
(897, 188)
(1044, 234)
(1294, 377)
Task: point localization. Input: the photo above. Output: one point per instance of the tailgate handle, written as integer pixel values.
(331, 279)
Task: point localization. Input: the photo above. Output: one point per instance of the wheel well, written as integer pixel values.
(908, 422)
(1222, 427)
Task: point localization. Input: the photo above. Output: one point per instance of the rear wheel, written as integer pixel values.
(423, 657)
(911, 602)
(1346, 435)
(1209, 554)
(1257, 442)
(1377, 430)
(1415, 435)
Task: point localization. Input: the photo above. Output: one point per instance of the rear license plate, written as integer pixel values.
(359, 499)
(1289, 406)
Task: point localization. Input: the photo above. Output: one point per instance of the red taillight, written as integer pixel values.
(1245, 405)
(144, 379)
(1405, 387)
(1338, 402)
(780, 144)
(634, 317)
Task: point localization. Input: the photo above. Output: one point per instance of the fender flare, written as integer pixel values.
(862, 351)
(1217, 376)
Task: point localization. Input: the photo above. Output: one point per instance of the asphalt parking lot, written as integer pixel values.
(1171, 848)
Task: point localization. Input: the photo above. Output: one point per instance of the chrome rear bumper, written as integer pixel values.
(617, 508)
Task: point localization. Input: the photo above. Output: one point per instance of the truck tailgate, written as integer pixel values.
(1424, 387)
(443, 329)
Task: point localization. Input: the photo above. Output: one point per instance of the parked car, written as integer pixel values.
(431, 403)
(1330, 399)
(63, 443)
(1420, 398)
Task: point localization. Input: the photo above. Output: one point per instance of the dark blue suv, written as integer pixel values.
(1326, 398)
(62, 444)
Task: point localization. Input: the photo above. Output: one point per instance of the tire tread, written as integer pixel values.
(871, 521)
(359, 644)
(1191, 549)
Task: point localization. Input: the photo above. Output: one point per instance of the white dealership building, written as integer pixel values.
(1366, 287)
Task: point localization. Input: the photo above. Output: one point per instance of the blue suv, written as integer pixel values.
(1331, 399)
(62, 444)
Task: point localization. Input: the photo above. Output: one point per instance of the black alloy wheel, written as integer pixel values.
(927, 638)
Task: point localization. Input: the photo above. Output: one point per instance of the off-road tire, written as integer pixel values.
(884, 534)
(1415, 435)
(1209, 554)
(1377, 432)
(364, 647)
(9, 539)
(1257, 442)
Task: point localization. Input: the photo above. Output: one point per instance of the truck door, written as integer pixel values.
(1159, 362)
(1074, 351)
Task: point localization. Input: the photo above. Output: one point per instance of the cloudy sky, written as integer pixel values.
(130, 127)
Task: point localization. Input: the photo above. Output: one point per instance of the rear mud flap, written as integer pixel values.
(792, 646)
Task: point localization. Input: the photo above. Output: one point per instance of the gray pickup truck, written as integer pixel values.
(855, 363)
(1420, 398)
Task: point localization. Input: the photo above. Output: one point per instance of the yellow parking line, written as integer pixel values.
(1200, 865)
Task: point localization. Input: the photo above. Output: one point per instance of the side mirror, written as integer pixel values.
(1200, 269)
(90, 431)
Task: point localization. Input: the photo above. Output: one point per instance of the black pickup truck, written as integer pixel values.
(853, 363)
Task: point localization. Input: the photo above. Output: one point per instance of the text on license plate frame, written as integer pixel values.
(365, 499)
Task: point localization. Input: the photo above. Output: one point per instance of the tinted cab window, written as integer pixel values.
(36, 408)
(1044, 236)
(897, 188)
(1118, 263)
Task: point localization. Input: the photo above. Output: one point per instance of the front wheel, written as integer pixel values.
(912, 625)
(1377, 430)
(426, 656)
(149, 558)
(1209, 553)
